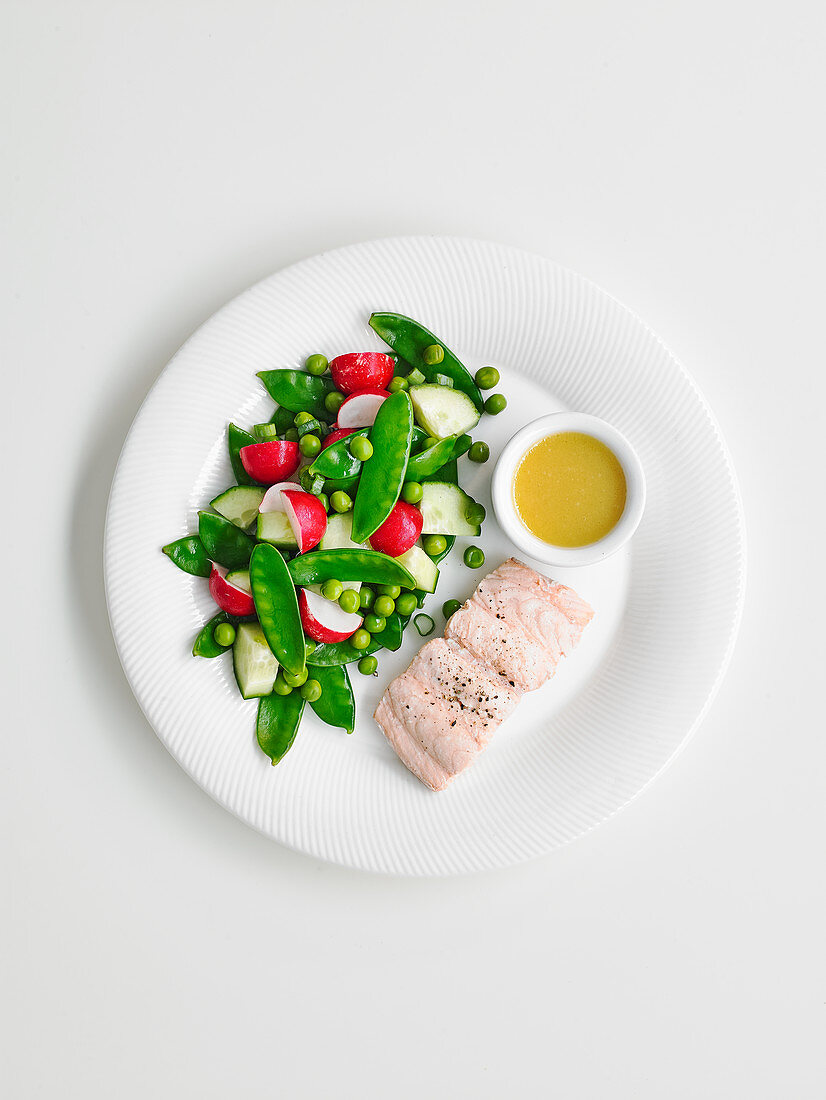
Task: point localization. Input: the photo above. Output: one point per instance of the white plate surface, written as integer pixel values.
(667, 607)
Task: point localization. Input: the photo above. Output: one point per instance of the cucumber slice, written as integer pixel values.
(252, 660)
(338, 537)
(239, 504)
(241, 579)
(424, 569)
(442, 411)
(444, 510)
(274, 527)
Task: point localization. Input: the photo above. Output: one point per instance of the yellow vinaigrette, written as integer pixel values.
(569, 489)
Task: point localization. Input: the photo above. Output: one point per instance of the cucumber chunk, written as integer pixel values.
(252, 660)
(241, 579)
(423, 568)
(239, 504)
(442, 411)
(274, 527)
(444, 510)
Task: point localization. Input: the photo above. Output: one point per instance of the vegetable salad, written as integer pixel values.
(344, 505)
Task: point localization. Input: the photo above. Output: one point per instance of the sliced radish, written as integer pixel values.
(359, 409)
(271, 461)
(399, 531)
(323, 620)
(307, 517)
(272, 501)
(361, 370)
(235, 601)
(335, 436)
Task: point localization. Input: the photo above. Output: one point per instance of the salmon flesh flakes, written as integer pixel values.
(507, 639)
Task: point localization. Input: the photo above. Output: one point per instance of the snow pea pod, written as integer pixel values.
(283, 419)
(189, 554)
(409, 339)
(223, 541)
(297, 391)
(205, 644)
(343, 653)
(368, 566)
(431, 460)
(277, 723)
(336, 461)
(382, 476)
(462, 446)
(448, 472)
(336, 706)
(236, 439)
(277, 605)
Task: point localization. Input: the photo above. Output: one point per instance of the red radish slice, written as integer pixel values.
(335, 436)
(399, 531)
(307, 517)
(271, 461)
(272, 501)
(323, 620)
(361, 370)
(235, 601)
(359, 409)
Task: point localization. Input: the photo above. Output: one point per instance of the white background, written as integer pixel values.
(157, 158)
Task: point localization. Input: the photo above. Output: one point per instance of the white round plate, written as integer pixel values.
(667, 606)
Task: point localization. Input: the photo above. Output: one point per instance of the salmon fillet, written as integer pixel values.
(507, 639)
(442, 712)
(521, 623)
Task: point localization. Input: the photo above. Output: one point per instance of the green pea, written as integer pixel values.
(433, 354)
(340, 501)
(224, 634)
(311, 691)
(391, 590)
(302, 418)
(281, 687)
(309, 445)
(476, 513)
(434, 545)
(479, 452)
(374, 623)
(360, 639)
(473, 557)
(349, 601)
(325, 501)
(450, 607)
(368, 665)
(406, 604)
(487, 378)
(411, 492)
(291, 434)
(384, 606)
(316, 364)
(333, 402)
(393, 386)
(496, 403)
(295, 680)
(361, 448)
(366, 597)
(332, 589)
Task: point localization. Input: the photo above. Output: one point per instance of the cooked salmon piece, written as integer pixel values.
(521, 623)
(507, 639)
(442, 712)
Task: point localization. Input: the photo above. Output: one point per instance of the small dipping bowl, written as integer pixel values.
(505, 473)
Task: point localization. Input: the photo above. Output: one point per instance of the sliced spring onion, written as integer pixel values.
(424, 624)
(415, 378)
(265, 432)
(312, 427)
(443, 380)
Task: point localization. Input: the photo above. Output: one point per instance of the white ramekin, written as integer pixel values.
(502, 489)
